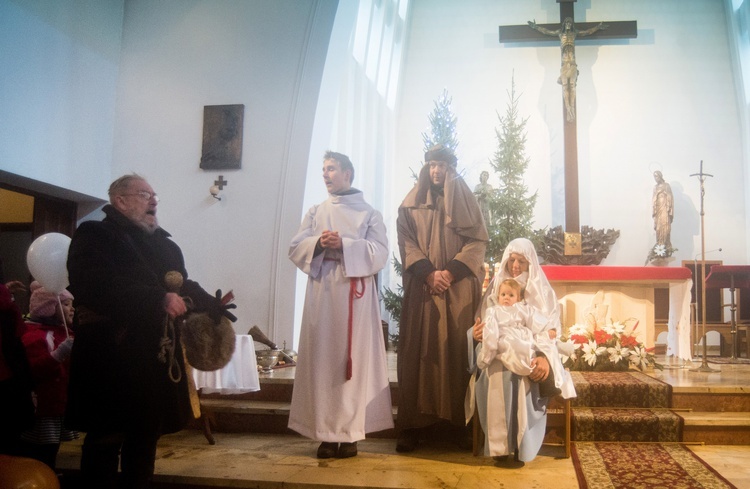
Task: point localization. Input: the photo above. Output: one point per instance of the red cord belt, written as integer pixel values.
(353, 294)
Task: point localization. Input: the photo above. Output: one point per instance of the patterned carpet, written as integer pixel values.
(642, 466)
(623, 406)
(620, 389)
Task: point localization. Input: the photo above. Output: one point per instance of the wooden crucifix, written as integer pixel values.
(567, 31)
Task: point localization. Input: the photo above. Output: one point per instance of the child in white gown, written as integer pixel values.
(514, 333)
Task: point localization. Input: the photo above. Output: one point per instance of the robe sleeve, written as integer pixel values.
(408, 244)
(494, 320)
(472, 256)
(302, 247)
(367, 255)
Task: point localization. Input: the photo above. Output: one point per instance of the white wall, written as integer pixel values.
(738, 33)
(91, 90)
(58, 82)
(178, 57)
(665, 101)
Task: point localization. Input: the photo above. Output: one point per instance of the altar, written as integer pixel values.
(628, 293)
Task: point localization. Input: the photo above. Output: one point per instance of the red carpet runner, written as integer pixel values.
(623, 406)
(647, 465)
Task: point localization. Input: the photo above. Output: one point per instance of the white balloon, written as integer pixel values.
(47, 260)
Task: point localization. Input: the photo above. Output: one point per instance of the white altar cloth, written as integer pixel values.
(240, 375)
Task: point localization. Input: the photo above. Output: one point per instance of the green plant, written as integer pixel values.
(511, 208)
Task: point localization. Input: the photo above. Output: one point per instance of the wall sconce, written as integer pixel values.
(217, 187)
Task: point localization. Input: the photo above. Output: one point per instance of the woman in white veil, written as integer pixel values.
(512, 414)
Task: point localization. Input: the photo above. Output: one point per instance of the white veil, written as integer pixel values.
(537, 290)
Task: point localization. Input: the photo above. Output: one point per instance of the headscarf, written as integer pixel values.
(461, 208)
(537, 290)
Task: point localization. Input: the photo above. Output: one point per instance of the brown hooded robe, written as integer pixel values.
(437, 231)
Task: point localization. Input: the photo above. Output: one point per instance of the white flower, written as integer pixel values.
(565, 347)
(617, 353)
(639, 357)
(578, 329)
(660, 250)
(590, 351)
(614, 328)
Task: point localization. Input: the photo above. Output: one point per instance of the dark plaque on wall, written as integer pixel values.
(222, 137)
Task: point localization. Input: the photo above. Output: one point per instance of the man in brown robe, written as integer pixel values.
(442, 240)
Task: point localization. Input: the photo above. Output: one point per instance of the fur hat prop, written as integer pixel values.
(208, 345)
(42, 302)
(439, 152)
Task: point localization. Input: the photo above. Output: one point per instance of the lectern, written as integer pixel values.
(730, 277)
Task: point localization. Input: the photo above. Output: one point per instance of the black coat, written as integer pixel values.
(117, 383)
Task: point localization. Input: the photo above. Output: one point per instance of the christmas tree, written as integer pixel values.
(510, 208)
(442, 124)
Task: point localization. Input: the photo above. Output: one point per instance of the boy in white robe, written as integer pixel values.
(341, 388)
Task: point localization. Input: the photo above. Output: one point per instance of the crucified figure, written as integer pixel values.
(568, 67)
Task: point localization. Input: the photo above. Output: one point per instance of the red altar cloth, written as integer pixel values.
(721, 275)
(598, 273)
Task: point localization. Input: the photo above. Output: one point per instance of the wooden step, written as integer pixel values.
(717, 399)
(233, 415)
(716, 428)
(237, 406)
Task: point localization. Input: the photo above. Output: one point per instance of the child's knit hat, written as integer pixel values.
(42, 302)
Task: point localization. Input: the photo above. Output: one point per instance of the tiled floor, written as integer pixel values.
(276, 461)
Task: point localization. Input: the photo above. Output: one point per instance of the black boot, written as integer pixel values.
(408, 440)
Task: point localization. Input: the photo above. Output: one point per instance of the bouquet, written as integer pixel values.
(659, 252)
(610, 347)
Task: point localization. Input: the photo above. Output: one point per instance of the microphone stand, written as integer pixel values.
(704, 364)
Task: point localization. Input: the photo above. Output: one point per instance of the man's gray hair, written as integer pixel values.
(122, 184)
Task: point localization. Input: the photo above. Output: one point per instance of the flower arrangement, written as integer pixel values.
(660, 252)
(610, 347)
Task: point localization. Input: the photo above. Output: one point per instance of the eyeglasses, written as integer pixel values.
(145, 194)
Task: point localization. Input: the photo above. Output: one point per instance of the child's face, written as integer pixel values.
(507, 295)
(68, 310)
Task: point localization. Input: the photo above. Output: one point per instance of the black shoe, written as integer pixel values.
(347, 450)
(328, 450)
(508, 462)
(407, 440)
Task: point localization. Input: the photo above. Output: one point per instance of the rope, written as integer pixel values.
(353, 294)
(166, 351)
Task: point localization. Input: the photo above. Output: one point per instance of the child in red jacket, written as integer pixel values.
(48, 342)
